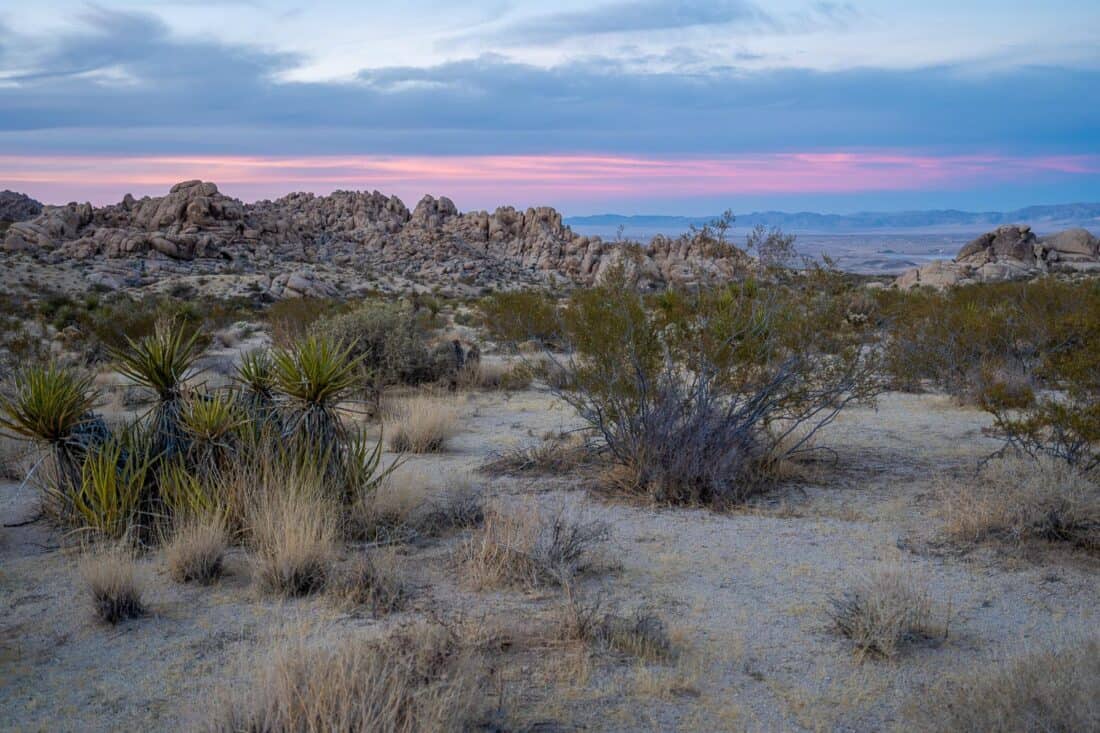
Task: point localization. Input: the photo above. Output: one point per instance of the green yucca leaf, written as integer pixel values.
(315, 371)
(256, 372)
(160, 361)
(211, 418)
(112, 486)
(48, 403)
(182, 492)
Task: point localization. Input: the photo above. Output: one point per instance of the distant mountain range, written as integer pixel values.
(1053, 217)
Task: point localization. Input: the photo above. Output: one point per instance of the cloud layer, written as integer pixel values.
(124, 84)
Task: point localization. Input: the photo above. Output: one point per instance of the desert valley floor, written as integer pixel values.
(744, 594)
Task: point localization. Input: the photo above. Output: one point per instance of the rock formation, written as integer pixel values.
(1010, 253)
(307, 245)
(17, 207)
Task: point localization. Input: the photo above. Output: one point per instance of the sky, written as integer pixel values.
(626, 106)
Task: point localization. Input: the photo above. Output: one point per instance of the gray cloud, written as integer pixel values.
(195, 95)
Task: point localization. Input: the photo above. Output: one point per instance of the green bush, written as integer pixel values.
(696, 395)
(523, 315)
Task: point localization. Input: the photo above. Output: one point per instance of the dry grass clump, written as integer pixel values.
(530, 548)
(294, 534)
(111, 580)
(196, 551)
(370, 583)
(1021, 499)
(885, 612)
(496, 376)
(641, 635)
(411, 504)
(554, 454)
(1054, 689)
(422, 424)
(419, 681)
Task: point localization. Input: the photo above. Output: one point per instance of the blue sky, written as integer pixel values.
(650, 106)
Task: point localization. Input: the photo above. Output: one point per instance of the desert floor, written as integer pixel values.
(745, 596)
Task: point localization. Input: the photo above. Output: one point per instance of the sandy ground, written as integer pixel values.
(745, 595)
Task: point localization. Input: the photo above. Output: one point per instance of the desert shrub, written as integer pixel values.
(531, 549)
(496, 376)
(961, 339)
(390, 342)
(196, 550)
(111, 581)
(418, 681)
(640, 634)
(521, 315)
(294, 534)
(410, 504)
(694, 393)
(255, 375)
(1048, 689)
(884, 612)
(53, 408)
(369, 583)
(554, 454)
(292, 319)
(1021, 499)
(422, 424)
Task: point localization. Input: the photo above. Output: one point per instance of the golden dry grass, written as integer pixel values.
(370, 582)
(413, 503)
(1051, 689)
(886, 611)
(111, 580)
(421, 424)
(530, 548)
(294, 535)
(496, 375)
(196, 550)
(1015, 500)
(419, 681)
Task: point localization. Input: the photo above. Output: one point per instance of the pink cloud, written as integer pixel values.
(485, 181)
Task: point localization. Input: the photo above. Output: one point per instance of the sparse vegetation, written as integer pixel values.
(294, 534)
(196, 551)
(1048, 689)
(111, 581)
(421, 681)
(422, 424)
(885, 612)
(531, 548)
(1015, 500)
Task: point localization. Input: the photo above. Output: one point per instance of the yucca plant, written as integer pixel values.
(53, 406)
(313, 375)
(183, 493)
(256, 376)
(113, 486)
(211, 422)
(161, 362)
(362, 467)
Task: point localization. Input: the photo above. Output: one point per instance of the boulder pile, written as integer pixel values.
(307, 245)
(1010, 253)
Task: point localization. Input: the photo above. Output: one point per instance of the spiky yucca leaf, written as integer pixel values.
(313, 375)
(161, 361)
(256, 374)
(211, 417)
(113, 482)
(47, 404)
(316, 371)
(363, 471)
(183, 493)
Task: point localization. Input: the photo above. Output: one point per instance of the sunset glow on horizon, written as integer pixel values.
(477, 181)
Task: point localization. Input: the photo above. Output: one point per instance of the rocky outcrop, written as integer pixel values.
(307, 245)
(1010, 253)
(17, 207)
